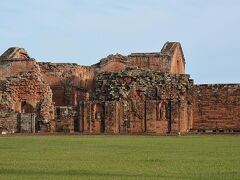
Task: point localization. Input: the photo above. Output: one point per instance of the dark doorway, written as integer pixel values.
(26, 107)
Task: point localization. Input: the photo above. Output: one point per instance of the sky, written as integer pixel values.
(84, 31)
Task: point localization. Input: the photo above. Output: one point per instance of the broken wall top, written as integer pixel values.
(169, 60)
(15, 53)
(141, 84)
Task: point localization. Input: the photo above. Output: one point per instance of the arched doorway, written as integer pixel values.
(26, 107)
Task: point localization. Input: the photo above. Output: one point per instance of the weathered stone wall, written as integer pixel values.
(15, 53)
(8, 122)
(70, 83)
(26, 93)
(11, 68)
(7, 116)
(138, 101)
(30, 89)
(169, 60)
(65, 119)
(217, 107)
(149, 116)
(112, 63)
(178, 61)
(153, 61)
(26, 122)
(141, 84)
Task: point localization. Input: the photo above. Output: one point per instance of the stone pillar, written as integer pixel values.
(126, 117)
(151, 116)
(75, 97)
(190, 116)
(183, 117)
(110, 116)
(87, 117)
(118, 117)
(81, 116)
(33, 116)
(169, 115)
(137, 116)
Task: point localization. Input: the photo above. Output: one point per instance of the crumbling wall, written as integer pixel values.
(141, 84)
(11, 68)
(175, 52)
(15, 53)
(28, 87)
(217, 107)
(65, 118)
(169, 60)
(152, 61)
(8, 122)
(70, 83)
(26, 93)
(137, 101)
(112, 63)
(7, 115)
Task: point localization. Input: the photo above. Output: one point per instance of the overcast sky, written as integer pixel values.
(84, 31)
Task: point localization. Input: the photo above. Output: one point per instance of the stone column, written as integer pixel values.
(151, 116)
(183, 116)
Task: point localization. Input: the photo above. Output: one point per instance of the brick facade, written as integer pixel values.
(217, 107)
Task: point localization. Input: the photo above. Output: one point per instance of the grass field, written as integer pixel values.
(120, 157)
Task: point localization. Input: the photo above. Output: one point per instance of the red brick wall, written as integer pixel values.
(12, 68)
(177, 64)
(217, 106)
(70, 83)
(134, 117)
(154, 62)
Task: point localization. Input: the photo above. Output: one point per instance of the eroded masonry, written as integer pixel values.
(138, 93)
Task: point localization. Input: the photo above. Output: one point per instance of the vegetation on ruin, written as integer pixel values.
(119, 157)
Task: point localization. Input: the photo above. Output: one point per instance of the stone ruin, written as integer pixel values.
(138, 93)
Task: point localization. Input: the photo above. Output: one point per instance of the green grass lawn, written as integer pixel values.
(120, 157)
